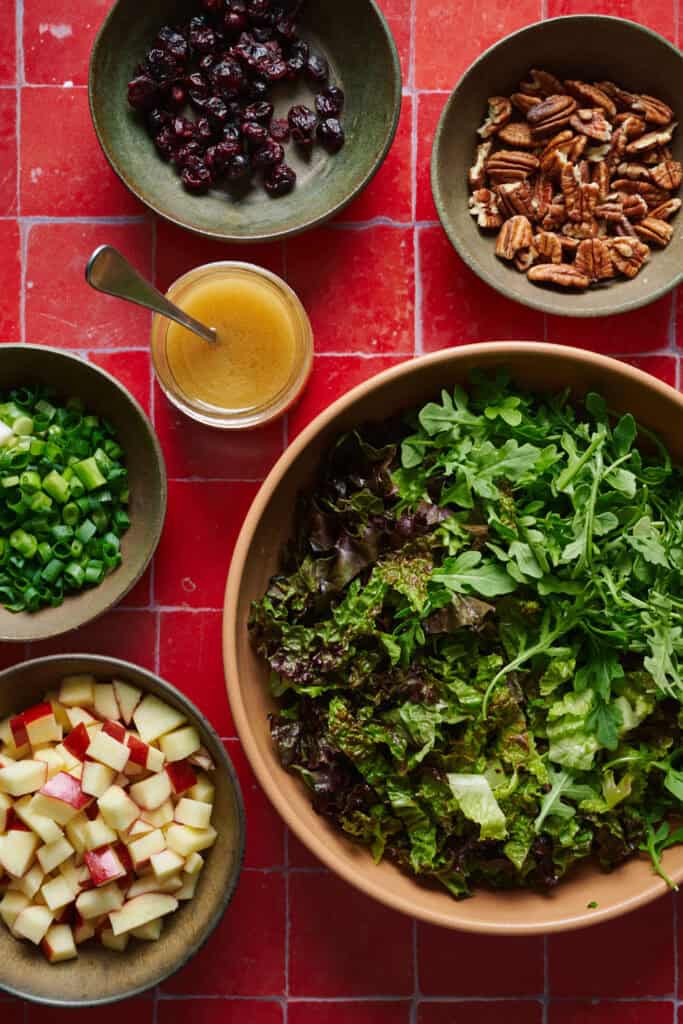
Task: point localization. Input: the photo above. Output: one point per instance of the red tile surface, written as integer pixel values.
(358, 287)
(330, 955)
(71, 179)
(12, 1013)
(135, 1011)
(131, 369)
(61, 309)
(10, 281)
(211, 1011)
(455, 961)
(190, 658)
(429, 108)
(8, 149)
(656, 14)
(8, 45)
(246, 954)
(663, 367)
(398, 14)
(397, 1012)
(129, 635)
(480, 1013)
(58, 36)
(178, 251)
(643, 330)
(266, 831)
(450, 34)
(610, 1013)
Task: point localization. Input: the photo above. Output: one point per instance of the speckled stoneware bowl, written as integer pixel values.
(69, 375)
(356, 40)
(270, 524)
(588, 47)
(101, 975)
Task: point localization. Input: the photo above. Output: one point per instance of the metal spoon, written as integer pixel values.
(109, 272)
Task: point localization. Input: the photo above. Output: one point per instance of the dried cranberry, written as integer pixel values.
(204, 130)
(190, 149)
(279, 180)
(331, 134)
(183, 129)
(228, 76)
(237, 168)
(254, 134)
(261, 112)
(202, 36)
(176, 96)
(249, 51)
(273, 68)
(166, 143)
(216, 110)
(267, 155)
(330, 102)
(218, 157)
(197, 90)
(235, 22)
(161, 65)
(317, 68)
(259, 12)
(195, 175)
(297, 58)
(302, 122)
(232, 133)
(279, 130)
(143, 93)
(158, 119)
(175, 43)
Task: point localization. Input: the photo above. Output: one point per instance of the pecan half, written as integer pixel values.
(653, 110)
(524, 102)
(541, 83)
(578, 146)
(548, 247)
(596, 154)
(650, 140)
(652, 194)
(593, 260)
(581, 198)
(581, 229)
(556, 215)
(611, 210)
(633, 126)
(634, 207)
(510, 165)
(624, 229)
(621, 98)
(591, 96)
(655, 232)
(564, 275)
(484, 207)
(550, 115)
(666, 210)
(636, 172)
(516, 134)
(500, 112)
(542, 192)
(515, 197)
(525, 258)
(477, 172)
(592, 122)
(601, 177)
(515, 234)
(629, 255)
(556, 153)
(668, 175)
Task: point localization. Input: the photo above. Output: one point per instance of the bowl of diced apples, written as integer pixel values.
(121, 830)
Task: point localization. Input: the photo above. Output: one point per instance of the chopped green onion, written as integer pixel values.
(89, 474)
(56, 486)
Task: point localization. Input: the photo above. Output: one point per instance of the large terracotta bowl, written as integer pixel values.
(268, 526)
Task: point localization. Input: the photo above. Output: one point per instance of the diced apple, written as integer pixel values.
(203, 790)
(190, 883)
(132, 771)
(182, 776)
(77, 772)
(127, 697)
(166, 863)
(194, 864)
(141, 850)
(6, 731)
(58, 944)
(109, 751)
(162, 816)
(117, 809)
(83, 930)
(61, 798)
(17, 850)
(57, 893)
(97, 833)
(78, 741)
(19, 733)
(11, 906)
(149, 883)
(51, 758)
(115, 942)
(41, 725)
(96, 778)
(202, 759)
(193, 813)
(79, 716)
(152, 792)
(139, 828)
(30, 883)
(48, 830)
(96, 902)
(54, 854)
(68, 760)
(180, 744)
(75, 831)
(153, 718)
(115, 730)
(23, 777)
(32, 923)
(5, 807)
(104, 866)
(105, 704)
(77, 691)
(58, 710)
(145, 756)
(150, 932)
(68, 871)
(5, 759)
(185, 840)
(140, 911)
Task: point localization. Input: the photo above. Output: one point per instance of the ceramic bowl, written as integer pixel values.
(69, 375)
(588, 47)
(356, 40)
(101, 975)
(270, 524)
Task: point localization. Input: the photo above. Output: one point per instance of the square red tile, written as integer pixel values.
(8, 44)
(8, 149)
(62, 310)
(390, 193)
(632, 956)
(397, 1012)
(610, 1013)
(344, 944)
(450, 35)
(129, 635)
(218, 1011)
(202, 524)
(511, 1012)
(135, 1011)
(642, 330)
(246, 954)
(71, 178)
(663, 367)
(193, 450)
(454, 963)
(399, 15)
(132, 369)
(457, 307)
(332, 377)
(190, 657)
(178, 251)
(58, 37)
(429, 108)
(300, 856)
(266, 830)
(10, 281)
(656, 14)
(358, 287)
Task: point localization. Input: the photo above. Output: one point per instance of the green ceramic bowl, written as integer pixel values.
(588, 47)
(101, 975)
(70, 375)
(356, 40)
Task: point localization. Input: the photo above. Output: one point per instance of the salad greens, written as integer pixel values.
(477, 639)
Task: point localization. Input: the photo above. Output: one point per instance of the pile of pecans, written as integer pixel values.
(578, 179)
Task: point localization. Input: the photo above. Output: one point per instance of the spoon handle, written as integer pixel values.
(110, 272)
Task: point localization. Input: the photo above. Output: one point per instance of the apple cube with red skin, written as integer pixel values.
(153, 718)
(115, 730)
(95, 902)
(61, 798)
(182, 776)
(104, 866)
(78, 741)
(144, 755)
(109, 751)
(58, 944)
(48, 830)
(19, 733)
(37, 726)
(77, 691)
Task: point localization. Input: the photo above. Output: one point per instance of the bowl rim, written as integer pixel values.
(328, 856)
(266, 236)
(163, 491)
(544, 303)
(113, 666)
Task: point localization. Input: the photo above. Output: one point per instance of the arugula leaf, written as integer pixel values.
(562, 784)
(469, 571)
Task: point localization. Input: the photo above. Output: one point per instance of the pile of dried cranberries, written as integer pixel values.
(222, 65)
